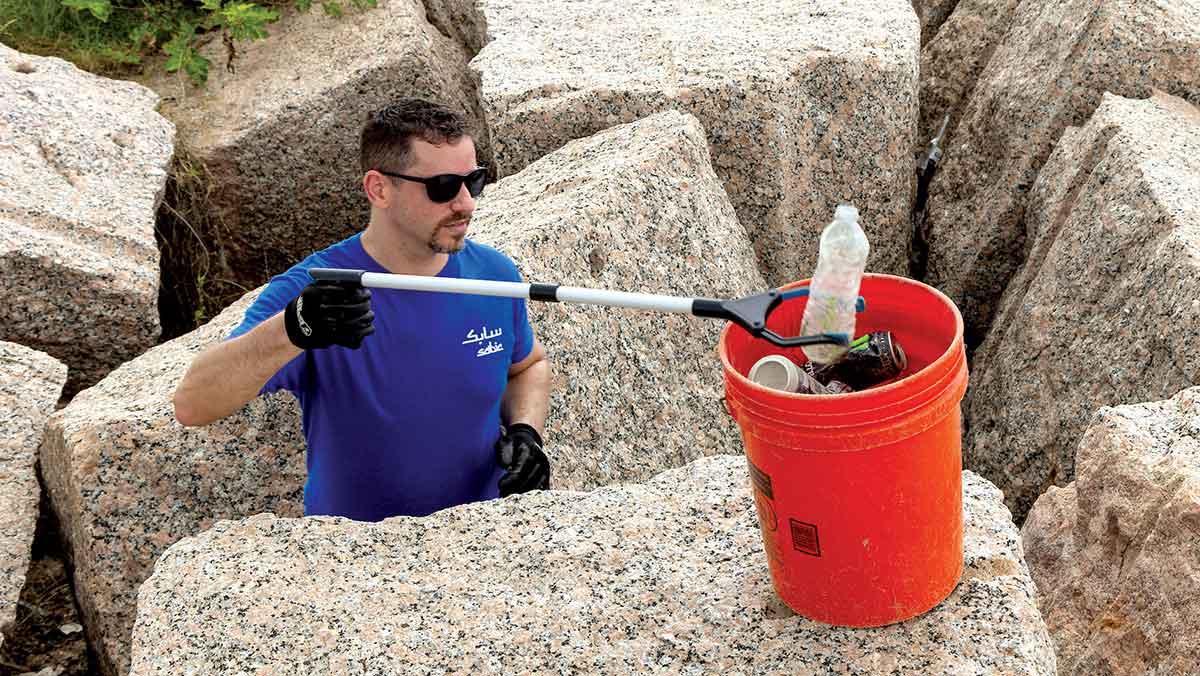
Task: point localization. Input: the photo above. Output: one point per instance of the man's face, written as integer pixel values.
(442, 226)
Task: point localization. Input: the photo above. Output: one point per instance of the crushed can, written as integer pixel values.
(872, 359)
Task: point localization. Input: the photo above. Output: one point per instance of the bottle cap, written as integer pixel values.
(776, 372)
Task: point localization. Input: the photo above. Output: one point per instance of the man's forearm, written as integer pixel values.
(226, 376)
(527, 399)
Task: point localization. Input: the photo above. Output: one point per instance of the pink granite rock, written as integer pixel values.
(1107, 306)
(126, 480)
(806, 105)
(83, 164)
(30, 384)
(1114, 554)
(667, 577)
(1047, 74)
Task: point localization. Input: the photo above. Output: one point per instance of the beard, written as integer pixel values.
(452, 248)
(456, 243)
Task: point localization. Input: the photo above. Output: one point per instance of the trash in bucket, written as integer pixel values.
(859, 495)
(874, 358)
(781, 373)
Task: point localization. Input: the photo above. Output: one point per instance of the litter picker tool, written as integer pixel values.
(750, 312)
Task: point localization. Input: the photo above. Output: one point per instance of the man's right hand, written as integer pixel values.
(330, 313)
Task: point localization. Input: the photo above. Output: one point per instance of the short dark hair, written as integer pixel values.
(386, 141)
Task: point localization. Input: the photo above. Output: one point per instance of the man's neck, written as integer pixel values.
(399, 257)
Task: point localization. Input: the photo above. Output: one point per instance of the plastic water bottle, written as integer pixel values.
(831, 297)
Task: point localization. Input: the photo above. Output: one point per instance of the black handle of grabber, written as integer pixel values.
(751, 313)
(336, 275)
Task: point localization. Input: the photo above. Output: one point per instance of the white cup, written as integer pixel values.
(776, 372)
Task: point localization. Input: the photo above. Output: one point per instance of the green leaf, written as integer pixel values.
(211, 5)
(247, 21)
(303, 5)
(332, 8)
(101, 9)
(144, 35)
(159, 25)
(197, 69)
(182, 55)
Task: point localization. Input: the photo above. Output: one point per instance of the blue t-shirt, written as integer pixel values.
(407, 423)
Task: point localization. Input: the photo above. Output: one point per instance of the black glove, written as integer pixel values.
(330, 313)
(520, 452)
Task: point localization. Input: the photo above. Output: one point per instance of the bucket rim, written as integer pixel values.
(861, 436)
(937, 387)
(941, 363)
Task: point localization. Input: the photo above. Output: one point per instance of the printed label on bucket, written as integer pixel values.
(804, 538)
(761, 481)
(767, 519)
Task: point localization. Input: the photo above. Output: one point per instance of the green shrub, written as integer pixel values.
(117, 36)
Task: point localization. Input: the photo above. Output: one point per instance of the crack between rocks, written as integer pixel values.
(1062, 121)
(918, 244)
(934, 30)
(434, 20)
(437, 25)
(1037, 256)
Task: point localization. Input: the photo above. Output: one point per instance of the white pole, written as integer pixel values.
(478, 287)
(566, 294)
(640, 301)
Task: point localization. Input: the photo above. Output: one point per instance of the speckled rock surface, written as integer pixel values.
(83, 164)
(30, 384)
(1048, 73)
(953, 58)
(1107, 306)
(1115, 554)
(805, 104)
(280, 136)
(126, 480)
(634, 208)
(667, 577)
(933, 13)
(464, 21)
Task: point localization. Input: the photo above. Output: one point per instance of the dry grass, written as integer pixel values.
(47, 603)
(194, 283)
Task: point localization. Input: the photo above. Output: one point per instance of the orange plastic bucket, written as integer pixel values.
(859, 495)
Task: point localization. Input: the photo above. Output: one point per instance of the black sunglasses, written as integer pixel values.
(444, 187)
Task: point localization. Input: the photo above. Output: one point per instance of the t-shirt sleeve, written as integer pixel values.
(274, 298)
(523, 344)
(523, 330)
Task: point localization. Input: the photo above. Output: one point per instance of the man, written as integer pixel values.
(402, 410)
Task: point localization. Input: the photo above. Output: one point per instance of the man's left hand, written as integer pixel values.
(519, 451)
